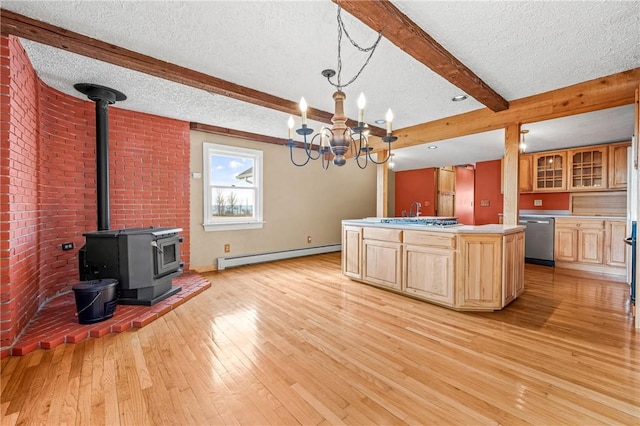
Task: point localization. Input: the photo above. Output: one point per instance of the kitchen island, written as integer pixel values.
(463, 267)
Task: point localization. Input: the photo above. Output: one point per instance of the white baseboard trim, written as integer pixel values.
(228, 262)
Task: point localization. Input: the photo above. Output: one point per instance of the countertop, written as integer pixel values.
(458, 229)
(577, 217)
(564, 214)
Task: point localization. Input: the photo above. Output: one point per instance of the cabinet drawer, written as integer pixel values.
(580, 223)
(382, 234)
(430, 239)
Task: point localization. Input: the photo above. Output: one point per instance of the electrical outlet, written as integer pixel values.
(537, 203)
(67, 246)
(309, 239)
(227, 248)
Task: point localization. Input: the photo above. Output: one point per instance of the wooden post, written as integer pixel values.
(382, 182)
(510, 207)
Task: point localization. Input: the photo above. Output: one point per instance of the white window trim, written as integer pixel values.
(243, 223)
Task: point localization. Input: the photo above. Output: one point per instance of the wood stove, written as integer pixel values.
(143, 260)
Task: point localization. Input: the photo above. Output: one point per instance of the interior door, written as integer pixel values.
(446, 184)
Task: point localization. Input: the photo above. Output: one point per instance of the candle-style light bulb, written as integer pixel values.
(362, 102)
(290, 123)
(303, 110)
(389, 118)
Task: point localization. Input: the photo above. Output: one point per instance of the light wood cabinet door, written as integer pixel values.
(429, 273)
(513, 267)
(566, 243)
(446, 184)
(480, 283)
(615, 251)
(590, 245)
(351, 256)
(525, 173)
(588, 168)
(579, 240)
(550, 171)
(592, 168)
(617, 178)
(381, 263)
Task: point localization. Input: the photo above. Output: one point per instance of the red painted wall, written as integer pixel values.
(415, 185)
(550, 201)
(49, 187)
(488, 175)
(465, 192)
(488, 188)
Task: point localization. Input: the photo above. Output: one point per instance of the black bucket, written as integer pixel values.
(96, 300)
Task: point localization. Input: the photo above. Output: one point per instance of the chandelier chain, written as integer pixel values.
(370, 49)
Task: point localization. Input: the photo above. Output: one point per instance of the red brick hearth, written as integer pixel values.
(56, 322)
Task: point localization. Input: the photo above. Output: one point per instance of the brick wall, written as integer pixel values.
(20, 209)
(66, 184)
(5, 127)
(149, 171)
(49, 185)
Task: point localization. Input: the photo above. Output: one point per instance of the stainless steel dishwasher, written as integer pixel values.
(538, 239)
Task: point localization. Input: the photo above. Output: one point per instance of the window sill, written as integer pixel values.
(232, 226)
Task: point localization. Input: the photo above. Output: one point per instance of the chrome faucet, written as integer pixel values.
(417, 206)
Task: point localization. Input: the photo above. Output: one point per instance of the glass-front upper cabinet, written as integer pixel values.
(588, 168)
(550, 171)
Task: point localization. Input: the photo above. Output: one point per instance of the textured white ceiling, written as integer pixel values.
(280, 47)
(521, 48)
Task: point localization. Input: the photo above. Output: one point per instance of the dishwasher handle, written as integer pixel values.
(524, 222)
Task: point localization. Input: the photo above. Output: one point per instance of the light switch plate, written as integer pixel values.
(196, 175)
(484, 203)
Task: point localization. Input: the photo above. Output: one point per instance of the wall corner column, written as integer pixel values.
(382, 182)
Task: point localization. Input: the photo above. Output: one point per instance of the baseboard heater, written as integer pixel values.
(228, 262)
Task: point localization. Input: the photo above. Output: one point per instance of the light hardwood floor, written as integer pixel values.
(296, 342)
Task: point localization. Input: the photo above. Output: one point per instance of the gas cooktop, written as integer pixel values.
(442, 223)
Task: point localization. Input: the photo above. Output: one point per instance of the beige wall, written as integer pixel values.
(298, 201)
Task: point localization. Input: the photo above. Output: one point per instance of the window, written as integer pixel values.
(232, 188)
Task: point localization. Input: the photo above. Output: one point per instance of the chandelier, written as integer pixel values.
(340, 140)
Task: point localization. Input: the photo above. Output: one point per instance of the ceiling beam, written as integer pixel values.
(215, 130)
(593, 95)
(51, 35)
(382, 16)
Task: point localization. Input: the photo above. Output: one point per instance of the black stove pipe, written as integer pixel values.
(103, 97)
(102, 164)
